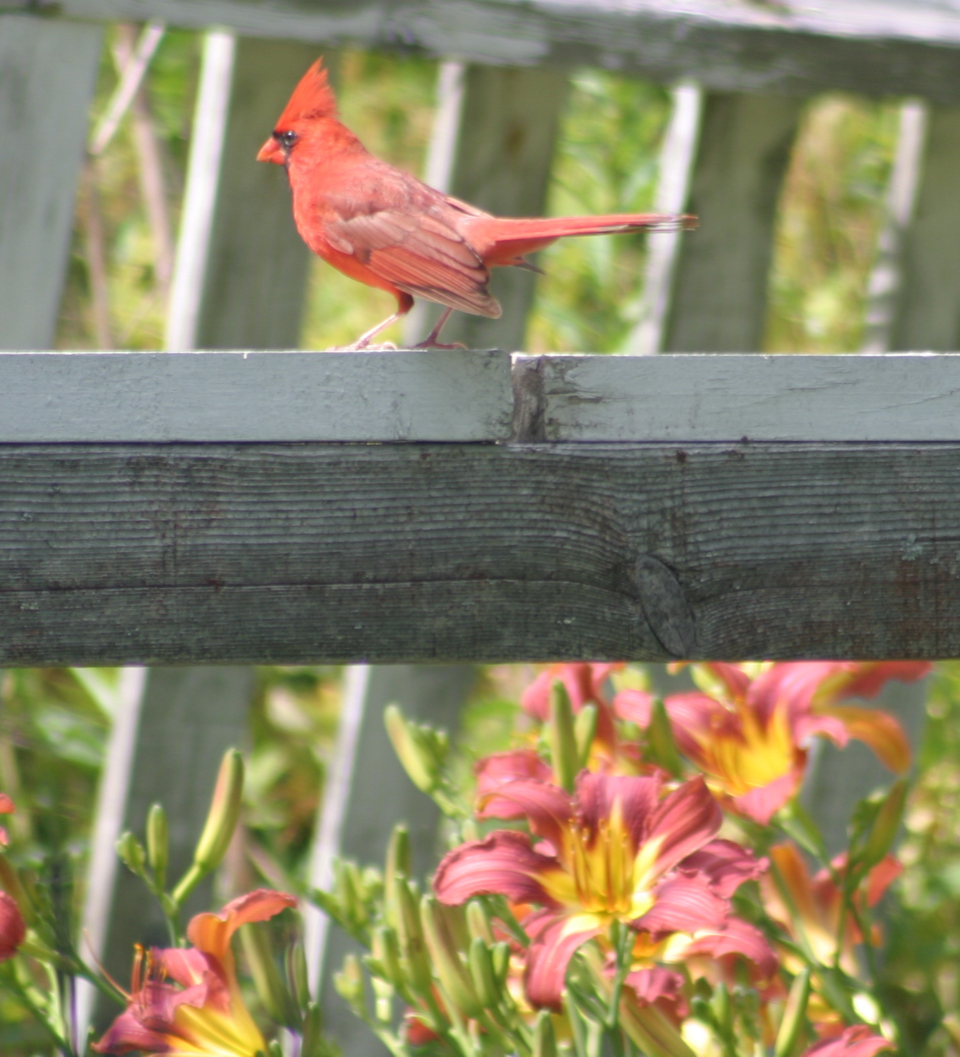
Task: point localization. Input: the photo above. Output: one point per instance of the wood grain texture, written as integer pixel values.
(762, 398)
(302, 553)
(719, 301)
(730, 45)
(48, 73)
(146, 396)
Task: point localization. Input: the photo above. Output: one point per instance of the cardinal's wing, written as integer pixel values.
(418, 253)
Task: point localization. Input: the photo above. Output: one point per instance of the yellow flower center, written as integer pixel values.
(752, 757)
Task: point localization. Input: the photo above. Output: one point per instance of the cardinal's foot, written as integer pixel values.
(428, 344)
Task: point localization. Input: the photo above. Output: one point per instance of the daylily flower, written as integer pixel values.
(817, 901)
(858, 1041)
(13, 929)
(185, 1002)
(616, 851)
(749, 735)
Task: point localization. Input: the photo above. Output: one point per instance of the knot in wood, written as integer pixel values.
(665, 607)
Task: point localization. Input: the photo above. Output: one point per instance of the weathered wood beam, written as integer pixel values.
(48, 73)
(729, 45)
(298, 553)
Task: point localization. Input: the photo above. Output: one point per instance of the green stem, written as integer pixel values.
(624, 945)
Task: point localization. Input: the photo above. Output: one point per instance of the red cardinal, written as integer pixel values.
(384, 227)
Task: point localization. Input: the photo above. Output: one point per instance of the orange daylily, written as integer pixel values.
(817, 902)
(749, 735)
(186, 1002)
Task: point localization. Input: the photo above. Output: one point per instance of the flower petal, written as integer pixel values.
(684, 904)
(126, 1033)
(6, 805)
(503, 863)
(658, 984)
(881, 877)
(637, 796)
(858, 1041)
(736, 937)
(549, 955)
(497, 770)
(684, 821)
(878, 729)
(211, 933)
(867, 678)
(547, 807)
(762, 803)
(724, 865)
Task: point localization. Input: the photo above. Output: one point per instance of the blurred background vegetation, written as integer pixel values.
(589, 299)
(54, 723)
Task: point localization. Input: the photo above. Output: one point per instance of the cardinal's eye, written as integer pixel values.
(286, 139)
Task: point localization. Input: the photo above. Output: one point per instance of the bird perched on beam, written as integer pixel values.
(388, 229)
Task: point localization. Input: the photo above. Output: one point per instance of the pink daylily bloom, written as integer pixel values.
(619, 850)
(749, 735)
(13, 929)
(858, 1041)
(186, 1002)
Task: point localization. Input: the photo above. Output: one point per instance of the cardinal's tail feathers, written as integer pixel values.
(511, 229)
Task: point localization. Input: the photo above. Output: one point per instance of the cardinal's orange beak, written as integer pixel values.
(271, 151)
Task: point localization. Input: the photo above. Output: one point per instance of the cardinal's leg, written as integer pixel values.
(430, 341)
(363, 342)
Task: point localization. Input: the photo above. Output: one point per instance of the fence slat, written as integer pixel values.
(367, 793)
(48, 73)
(928, 313)
(503, 152)
(720, 287)
(185, 720)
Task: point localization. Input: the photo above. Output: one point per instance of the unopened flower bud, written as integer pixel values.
(349, 984)
(413, 947)
(886, 824)
(382, 999)
(585, 730)
(481, 973)
(478, 922)
(563, 742)
(312, 1045)
(13, 929)
(660, 740)
(469, 831)
(223, 815)
(500, 958)
(399, 864)
(386, 952)
(544, 1039)
(421, 750)
(158, 844)
(267, 979)
(453, 975)
(131, 853)
(794, 1016)
(297, 976)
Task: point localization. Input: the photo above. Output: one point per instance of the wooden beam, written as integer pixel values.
(729, 45)
(465, 396)
(499, 152)
(242, 553)
(249, 396)
(719, 301)
(48, 73)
